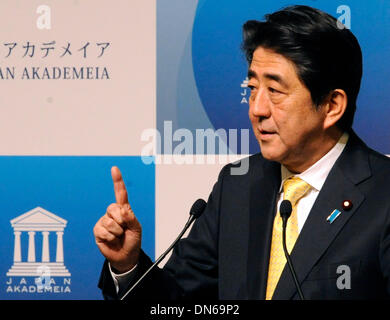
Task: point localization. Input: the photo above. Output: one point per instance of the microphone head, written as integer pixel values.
(198, 208)
(285, 209)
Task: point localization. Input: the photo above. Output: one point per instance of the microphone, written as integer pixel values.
(196, 211)
(285, 210)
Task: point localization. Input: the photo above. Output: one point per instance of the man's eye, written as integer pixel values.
(251, 87)
(272, 90)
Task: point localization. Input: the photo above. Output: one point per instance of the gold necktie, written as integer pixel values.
(294, 189)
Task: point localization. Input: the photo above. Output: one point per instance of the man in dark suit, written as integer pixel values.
(304, 75)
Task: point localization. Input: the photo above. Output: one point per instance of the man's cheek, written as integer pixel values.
(283, 140)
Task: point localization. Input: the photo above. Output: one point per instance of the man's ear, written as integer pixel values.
(335, 104)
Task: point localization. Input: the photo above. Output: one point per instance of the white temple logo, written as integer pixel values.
(40, 222)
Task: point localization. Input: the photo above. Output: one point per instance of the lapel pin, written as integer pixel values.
(347, 205)
(332, 217)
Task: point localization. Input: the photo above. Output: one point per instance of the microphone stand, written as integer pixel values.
(289, 262)
(197, 209)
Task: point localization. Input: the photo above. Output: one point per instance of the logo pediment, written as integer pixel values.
(38, 217)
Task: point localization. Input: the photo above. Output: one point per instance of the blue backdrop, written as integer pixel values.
(77, 189)
(205, 87)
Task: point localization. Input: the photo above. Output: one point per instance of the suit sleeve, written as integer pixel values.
(384, 253)
(192, 270)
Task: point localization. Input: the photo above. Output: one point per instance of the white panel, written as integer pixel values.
(79, 117)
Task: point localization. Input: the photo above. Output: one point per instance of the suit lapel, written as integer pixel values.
(264, 188)
(317, 234)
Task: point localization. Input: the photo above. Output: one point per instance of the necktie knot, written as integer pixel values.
(294, 189)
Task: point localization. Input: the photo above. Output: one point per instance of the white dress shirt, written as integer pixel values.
(315, 176)
(121, 279)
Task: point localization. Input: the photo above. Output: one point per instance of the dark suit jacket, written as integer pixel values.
(226, 254)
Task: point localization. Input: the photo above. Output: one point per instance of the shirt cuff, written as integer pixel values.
(121, 280)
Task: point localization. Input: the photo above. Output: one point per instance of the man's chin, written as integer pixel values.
(270, 155)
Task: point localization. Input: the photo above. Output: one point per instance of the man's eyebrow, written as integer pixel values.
(271, 76)
(251, 74)
(276, 78)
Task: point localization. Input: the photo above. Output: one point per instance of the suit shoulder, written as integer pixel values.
(379, 162)
(245, 167)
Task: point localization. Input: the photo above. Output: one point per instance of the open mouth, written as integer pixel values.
(266, 132)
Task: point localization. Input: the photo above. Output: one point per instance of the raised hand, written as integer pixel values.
(118, 233)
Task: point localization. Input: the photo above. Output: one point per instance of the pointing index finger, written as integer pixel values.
(119, 186)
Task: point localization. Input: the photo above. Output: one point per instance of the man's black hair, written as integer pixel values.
(326, 55)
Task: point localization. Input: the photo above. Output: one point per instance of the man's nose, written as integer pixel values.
(259, 106)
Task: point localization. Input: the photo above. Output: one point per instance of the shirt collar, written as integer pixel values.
(318, 172)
